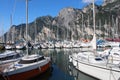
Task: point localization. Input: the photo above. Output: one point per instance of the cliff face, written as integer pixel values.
(69, 20)
(108, 1)
(113, 8)
(71, 24)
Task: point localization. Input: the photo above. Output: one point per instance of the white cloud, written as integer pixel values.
(87, 1)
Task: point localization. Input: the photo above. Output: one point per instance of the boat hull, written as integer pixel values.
(29, 74)
(99, 72)
(20, 47)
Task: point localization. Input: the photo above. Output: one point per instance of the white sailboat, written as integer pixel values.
(10, 44)
(104, 67)
(21, 42)
(2, 46)
(84, 43)
(9, 56)
(36, 44)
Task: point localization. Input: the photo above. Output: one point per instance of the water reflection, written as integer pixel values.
(79, 75)
(62, 69)
(44, 76)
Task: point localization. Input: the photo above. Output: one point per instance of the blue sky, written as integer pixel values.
(37, 8)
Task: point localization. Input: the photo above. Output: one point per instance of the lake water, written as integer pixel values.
(61, 69)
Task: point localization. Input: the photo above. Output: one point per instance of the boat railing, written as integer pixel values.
(111, 62)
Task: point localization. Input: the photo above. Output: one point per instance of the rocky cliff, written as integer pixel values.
(71, 24)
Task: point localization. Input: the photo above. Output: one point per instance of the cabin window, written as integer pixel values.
(31, 61)
(98, 59)
(116, 54)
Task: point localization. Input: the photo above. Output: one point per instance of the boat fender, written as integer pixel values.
(40, 68)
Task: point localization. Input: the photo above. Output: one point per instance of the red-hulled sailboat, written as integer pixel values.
(28, 67)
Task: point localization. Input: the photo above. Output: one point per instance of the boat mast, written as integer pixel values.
(94, 15)
(27, 25)
(3, 39)
(94, 35)
(13, 29)
(100, 26)
(82, 27)
(117, 27)
(35, 30)
(26, 20)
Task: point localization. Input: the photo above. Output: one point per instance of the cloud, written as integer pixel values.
(87, 1)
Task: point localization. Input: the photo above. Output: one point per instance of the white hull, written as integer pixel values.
(9, 56)
(20, 47)
(9, 47)
(101, 72)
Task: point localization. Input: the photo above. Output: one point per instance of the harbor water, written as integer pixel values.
(61, 68)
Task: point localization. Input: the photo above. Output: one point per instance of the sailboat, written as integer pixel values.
(9, 57)
(10, 45)
(29, 66)
(115, 41)
(84, 43)
(101, 66)
(36, 44)
(2, 47)
(20, 44)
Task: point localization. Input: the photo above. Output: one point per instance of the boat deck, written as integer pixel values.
(4, 66)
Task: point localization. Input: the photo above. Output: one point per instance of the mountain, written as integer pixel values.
(108, 1)
(71, 24)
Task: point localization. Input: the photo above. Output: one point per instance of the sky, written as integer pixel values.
(36, 8)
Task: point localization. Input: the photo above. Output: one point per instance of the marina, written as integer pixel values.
(61, 68)
(80, 43)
